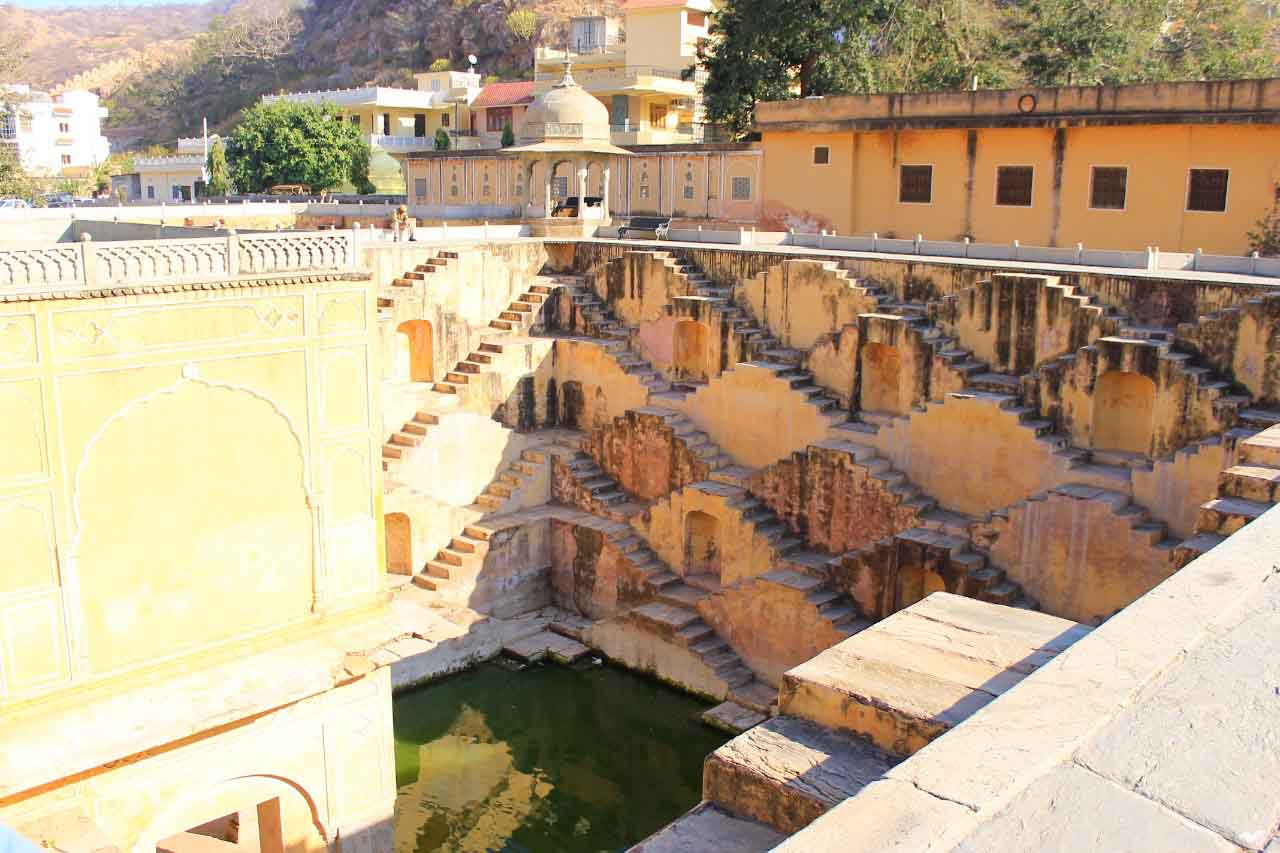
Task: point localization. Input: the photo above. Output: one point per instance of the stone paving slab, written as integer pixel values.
(707, 829)
(788, 771)
(732, 717)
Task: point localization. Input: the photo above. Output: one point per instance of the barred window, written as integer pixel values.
(420, 188)
(915, 184)
(1108, 187)
(742, 189)
(688, 192)
(1013, 185)
(1207, 190)
(821, 155)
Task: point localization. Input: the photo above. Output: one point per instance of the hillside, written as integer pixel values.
(66, 42)
(163, 68)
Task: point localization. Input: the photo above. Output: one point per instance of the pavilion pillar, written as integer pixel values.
(582, 188)
(605, 193)
(546, 187)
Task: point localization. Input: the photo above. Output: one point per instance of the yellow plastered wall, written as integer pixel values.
(858, 193)
(181, 471)
(655, 37)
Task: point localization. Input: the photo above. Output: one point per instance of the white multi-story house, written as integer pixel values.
(400, 120)
(56, 135)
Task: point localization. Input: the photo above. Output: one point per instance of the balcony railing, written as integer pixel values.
(587, 77)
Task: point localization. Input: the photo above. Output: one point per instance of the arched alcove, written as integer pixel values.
(690, 340)
(701, 544)
(880, 373)
(399, 535)
(421, 349)
(269, 814)
(195, 524)
(1123, 409)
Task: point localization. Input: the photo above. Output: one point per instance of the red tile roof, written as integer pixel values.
(504, 94)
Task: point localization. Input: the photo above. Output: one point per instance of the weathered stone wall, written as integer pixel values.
(1079, 552)
(1151, 405)
(801, 300)
(590, 573)
(772, 625)
(832, 501)
(458, 300)
(755, 415)
(1016, 322)
(740, 551)
(1241, 344)
(643, 453)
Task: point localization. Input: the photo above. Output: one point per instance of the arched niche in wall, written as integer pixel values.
(702, 545)
(399, 536)
(421, 340)
(194, 524)
(1123, 412)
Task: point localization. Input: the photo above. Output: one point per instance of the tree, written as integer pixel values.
(1266, 239)
(290, 143)
(522, 23)
(441, 64)
(441, 142)
(13, 54)
(219, 176)
(508, 135)
(14, 181)
(776, 49)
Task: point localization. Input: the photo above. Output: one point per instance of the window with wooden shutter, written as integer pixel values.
(1207, 190)
(1013, 185)
(915, 184)
(1108, 187)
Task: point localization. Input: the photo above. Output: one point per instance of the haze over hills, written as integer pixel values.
(159, 70)
(64, 42)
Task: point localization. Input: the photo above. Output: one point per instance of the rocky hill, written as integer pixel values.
(155, 67)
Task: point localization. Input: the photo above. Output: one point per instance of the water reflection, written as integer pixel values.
(547, 759)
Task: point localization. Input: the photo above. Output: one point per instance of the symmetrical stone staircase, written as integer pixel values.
(949, 555)
(464, 556)
(521, 316)
(1245, 491)
(405, 285)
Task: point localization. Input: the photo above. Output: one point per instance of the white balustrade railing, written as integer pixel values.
(142, 262)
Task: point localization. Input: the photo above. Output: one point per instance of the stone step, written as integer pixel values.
(1252, 482)
(787, 772)
(709, 829)
(665, 616)
(1225, 516)
(911, 677)
(1262, 449)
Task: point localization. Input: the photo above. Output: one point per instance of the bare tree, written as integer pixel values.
(262, 37)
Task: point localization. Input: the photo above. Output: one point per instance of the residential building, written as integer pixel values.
(499, 105)
(404, 120)
(56, 135)
(1180, 166)
(638, 68)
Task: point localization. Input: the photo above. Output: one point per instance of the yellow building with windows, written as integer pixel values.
(1180, 166)
(637, 68)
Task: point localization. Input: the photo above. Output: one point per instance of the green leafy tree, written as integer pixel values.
(508, 135)
(1265, 239)
(219, 174)
(290, 143)
(14, 181)
(776, 49)
(441, 142)
(441, 64)
(522, 23)
(1217, 40)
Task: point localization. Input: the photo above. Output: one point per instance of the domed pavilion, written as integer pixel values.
(566, 125)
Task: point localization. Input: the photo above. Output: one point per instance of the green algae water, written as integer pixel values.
(549, 759)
